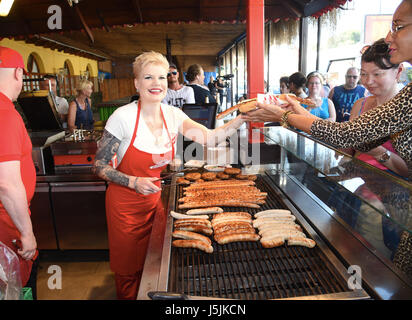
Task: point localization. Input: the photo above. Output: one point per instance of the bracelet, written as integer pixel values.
(284, 119)
(135, 183)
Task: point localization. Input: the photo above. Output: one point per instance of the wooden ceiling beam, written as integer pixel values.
(105, 26)
(83, 21)
(137, 10)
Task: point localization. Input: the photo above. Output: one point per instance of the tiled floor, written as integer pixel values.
(79, 281)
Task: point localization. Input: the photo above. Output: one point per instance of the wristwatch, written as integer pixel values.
(384, 157)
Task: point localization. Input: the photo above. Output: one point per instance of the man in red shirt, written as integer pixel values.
(17, 172)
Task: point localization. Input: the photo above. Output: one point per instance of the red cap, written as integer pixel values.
(10, 58)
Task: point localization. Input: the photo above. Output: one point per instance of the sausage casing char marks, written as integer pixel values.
(196, 244)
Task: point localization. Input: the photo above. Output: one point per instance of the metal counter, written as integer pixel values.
(345, 249)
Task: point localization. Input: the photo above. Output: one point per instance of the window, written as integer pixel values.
(34, 72)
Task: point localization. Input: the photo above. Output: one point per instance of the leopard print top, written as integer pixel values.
(392, 120)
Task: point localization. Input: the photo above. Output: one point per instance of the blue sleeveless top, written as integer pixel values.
(322, 111)
(344, 99)
(84, 117)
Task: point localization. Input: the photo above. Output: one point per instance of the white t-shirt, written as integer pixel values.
(62, 105)
(179, 97)
(122, 122)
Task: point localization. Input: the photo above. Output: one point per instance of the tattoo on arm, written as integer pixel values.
(106, 149)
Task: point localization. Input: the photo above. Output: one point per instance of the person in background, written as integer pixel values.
(297, 83)
(380, 77)
(220, 86)
(344, 96)
(324, 107)
(284, 85)
(196, 77)
(143, 137)
(80, 109)
(391, 120)
(17, 171)
(212, 87)
(177, 94)
(62, 105)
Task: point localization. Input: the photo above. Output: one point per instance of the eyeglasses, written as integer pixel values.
(350, 76)
(173, 72)
(395, 27)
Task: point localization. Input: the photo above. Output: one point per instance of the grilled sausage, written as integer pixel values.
(275, 242)
(178, 215)
(197, 244)
(196, 228)
(221, 203)
(189, 235)
(271, 212)
(260, 222)
(271, 233)
(216, 224)
(285, 234)
(232, 214)
(305, 242)
(244, 106)
(237, 237)
(202, 222)
(205, 210)
(280, 227)
(218, 235)
(232, 226)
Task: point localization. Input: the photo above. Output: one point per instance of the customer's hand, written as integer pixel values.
(296, 107)
(144, 185)
(264, 113)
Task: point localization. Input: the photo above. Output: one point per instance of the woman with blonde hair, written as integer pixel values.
(138, 142)
(325, 108)
(80, 114)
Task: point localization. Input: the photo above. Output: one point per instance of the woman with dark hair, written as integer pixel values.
(380, 77)
(297, 83)
(196, 77)
(284, 85)
(391, 120)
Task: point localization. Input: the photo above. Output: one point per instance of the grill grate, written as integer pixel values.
(246, 270)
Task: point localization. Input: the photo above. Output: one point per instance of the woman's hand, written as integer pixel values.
(264, 113)
(295, 106)
(145, 185)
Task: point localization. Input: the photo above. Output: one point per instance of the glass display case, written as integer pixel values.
(375, 206)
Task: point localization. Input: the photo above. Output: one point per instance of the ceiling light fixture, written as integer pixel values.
(5, 6)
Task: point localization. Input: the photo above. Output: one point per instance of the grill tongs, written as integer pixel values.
(163, 295)
(176, 172)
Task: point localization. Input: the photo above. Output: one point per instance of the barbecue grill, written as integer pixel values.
(246, 270)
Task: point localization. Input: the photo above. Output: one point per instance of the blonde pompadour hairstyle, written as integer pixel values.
(146, 58)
